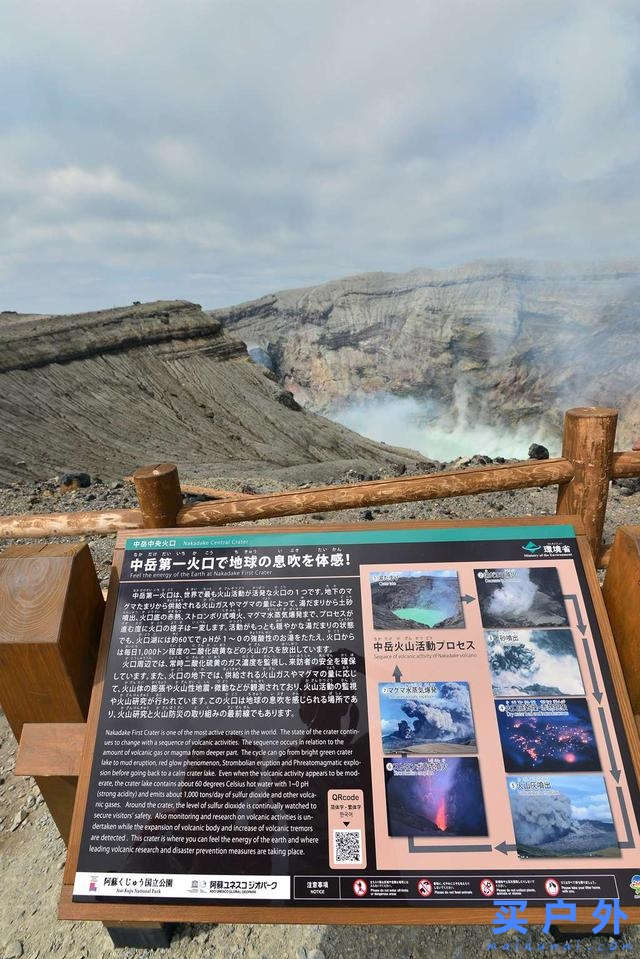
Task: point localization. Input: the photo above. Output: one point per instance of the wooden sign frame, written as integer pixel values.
(124, 912)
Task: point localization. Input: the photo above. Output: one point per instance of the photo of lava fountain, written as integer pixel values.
(434, 797)
(547, 735)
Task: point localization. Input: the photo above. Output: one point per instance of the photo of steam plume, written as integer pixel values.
(533, 662)
(416, 600)
(434, 797)
(546, 735)
(520, 597)
(426, 718)
(563, 816)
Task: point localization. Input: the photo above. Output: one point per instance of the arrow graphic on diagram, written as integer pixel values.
(506, 847)
(469, 848)
(468, 599)
(615, 772)
(397, 675)
(592, 673)
(627, 843)
(582, 626)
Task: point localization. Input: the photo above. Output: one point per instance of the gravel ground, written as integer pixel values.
(32, 854)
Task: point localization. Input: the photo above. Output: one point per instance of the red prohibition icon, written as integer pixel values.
(552, 887)
(425, 888)
(487, 887)
(360, 887)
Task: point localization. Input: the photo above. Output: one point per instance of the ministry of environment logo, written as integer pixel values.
(634, 882)
(531, 547)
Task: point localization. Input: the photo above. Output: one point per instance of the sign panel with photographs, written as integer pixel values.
(404, 716)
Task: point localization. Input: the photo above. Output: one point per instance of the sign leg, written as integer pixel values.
(140, 935)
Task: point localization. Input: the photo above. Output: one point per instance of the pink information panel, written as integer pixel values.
(393, 716)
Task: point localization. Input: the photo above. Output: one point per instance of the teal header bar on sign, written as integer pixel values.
(353, 537)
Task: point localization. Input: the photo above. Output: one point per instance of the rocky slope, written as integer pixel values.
(111, 390)
(504, 342)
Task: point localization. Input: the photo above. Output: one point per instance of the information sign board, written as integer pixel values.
(421, 716)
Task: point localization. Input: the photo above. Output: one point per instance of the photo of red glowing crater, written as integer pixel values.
(435, 796)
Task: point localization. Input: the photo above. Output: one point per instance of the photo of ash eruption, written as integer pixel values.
(546, 735)
(520, 597)
(426, 718)
(434, 797)
(416, 600)
(533, 662)
(563, 816)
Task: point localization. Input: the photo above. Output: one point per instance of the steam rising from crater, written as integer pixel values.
(439, 432)
(515, 596)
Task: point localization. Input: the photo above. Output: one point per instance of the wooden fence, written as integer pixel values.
(582, 474)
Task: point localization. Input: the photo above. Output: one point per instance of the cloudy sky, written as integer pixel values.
(216, 151)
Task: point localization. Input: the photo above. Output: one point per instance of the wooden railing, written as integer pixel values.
(582, 474)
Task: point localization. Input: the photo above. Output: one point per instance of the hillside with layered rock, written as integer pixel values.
(503, 342)
(111, 390)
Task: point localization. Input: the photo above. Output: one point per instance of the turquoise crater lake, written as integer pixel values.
(420, 615)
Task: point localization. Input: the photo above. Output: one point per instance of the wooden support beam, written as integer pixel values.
(589, 436)
(210, 491)
(159, 494)
(605, 556)
(214, 493)
(485, 479)
(50, 749)
(52, 753)
(621, 591)
(52, 609)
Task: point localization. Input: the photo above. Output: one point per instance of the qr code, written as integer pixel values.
(347, 846)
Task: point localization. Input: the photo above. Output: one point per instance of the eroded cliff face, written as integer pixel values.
(111, 390)
(504, 342)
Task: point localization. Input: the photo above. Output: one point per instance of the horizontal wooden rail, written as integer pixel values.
(484, 479)
(238, 507)
(626, 463)
(29, 525)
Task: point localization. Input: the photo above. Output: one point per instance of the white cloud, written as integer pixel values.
(220, 150)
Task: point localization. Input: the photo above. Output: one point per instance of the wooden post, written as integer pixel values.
(159, 495)
(621, 592)
(589, 436)
(52, 610)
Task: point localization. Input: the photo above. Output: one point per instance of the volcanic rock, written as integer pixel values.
(151, 383)
(286, 398)
(503, 342)
(538, 452)
(73, 479)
